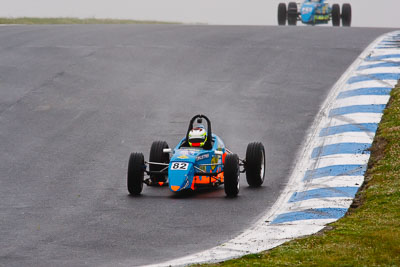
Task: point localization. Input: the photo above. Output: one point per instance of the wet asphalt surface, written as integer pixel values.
(76, 100)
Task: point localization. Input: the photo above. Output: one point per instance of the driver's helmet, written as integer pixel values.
(197, 136)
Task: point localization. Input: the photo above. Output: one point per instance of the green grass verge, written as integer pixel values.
(30, 21)
(369, 234)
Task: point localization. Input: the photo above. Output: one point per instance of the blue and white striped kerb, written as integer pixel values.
(341, 153)
(331, 167)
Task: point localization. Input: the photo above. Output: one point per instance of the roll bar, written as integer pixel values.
(209, 132)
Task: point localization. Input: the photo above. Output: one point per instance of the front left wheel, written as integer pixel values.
(292, 14)
(231, 175)
(135, 175)
(282, 14)
(255, 164)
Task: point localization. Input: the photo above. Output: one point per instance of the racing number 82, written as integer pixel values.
(179, 166)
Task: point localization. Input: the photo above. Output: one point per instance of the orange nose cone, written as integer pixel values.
(175, 187)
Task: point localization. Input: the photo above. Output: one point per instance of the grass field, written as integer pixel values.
(76, 21)
(369, 234)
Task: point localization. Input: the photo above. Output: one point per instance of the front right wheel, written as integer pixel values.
(231, 175)
(135, 175)
(346, 15)
(255, 164)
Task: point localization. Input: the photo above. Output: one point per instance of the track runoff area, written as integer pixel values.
(332, 163)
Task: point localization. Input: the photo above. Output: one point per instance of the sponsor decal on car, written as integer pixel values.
(307, 10)
(214, 160)
(188, 151)
(321, 17)
(201, 157)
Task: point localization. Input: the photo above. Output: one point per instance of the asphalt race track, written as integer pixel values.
(76, 100)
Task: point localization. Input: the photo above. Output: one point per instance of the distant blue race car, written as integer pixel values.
(187, 168)
(313, 12)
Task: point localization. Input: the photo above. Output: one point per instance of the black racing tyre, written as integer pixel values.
(282, 14)
(292, 14)
(157, 155)
(135, 175)
(255, 164)
(346, 15)
(335, 15)
(231, 175)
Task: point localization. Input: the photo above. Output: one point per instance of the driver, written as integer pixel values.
(197, 136)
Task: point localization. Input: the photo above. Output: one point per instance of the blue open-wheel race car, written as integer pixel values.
(313, 12)
(200, 160)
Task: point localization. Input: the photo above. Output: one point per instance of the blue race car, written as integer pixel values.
(313, 12)
(200, 160)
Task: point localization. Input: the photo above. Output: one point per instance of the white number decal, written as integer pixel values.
(179, 166)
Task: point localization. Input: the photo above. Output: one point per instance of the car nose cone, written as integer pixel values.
(175, 187)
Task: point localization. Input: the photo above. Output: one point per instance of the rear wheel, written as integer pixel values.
(158, 156)
(292, 14)
(282, 14)
(336, 15)
(231, 175)
(135, 173)
(255, 164)
(346, 15)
